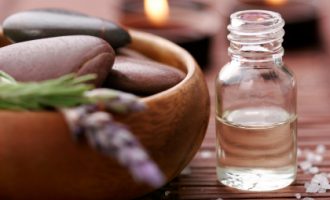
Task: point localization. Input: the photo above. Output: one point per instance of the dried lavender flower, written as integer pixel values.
(148, 172)
(115, 101)
(115, 140)
(102, 131)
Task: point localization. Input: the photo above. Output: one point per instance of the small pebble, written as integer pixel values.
(131, 53)
(142, 77)
(49, 58)
(45, 23)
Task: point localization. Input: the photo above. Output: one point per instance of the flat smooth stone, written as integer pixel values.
(142, 77)
(44, 23)
(124, 51)
(49, 58)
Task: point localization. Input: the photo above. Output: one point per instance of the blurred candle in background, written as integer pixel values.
(157, 11)
(191, 24)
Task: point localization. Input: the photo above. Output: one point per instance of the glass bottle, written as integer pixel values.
(256, 117)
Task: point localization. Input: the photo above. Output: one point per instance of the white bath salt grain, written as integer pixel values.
(186, 171)
(318, 184)
(313, 170)
(320, 149)
(322, 190)
(299, 152)
(298, 196)
(206, 154)
(322, 179)
(318, 158)
(167, 193)
(312, 188)
(313, 157)
(305, 165)
(307, 198)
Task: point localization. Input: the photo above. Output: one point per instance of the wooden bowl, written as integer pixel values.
(40, 160)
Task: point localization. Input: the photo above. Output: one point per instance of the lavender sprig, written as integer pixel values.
(112, 138)
(115, 139)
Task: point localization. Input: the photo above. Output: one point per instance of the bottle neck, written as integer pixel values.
(256, 36)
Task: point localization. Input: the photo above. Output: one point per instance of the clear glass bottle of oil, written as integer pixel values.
(256, 106)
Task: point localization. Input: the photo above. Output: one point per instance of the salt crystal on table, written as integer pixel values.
(186, 171)
(298, 196)
(322, 190)
(320, 149)
(299, 152)
(166, 193)
(312, 188)
(206, 154)
(305, 165)
(318, 158)
(313, 170)
(318, 184)
(310, 156)
(321, 179)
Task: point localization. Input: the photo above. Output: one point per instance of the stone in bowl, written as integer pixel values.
(40, 160)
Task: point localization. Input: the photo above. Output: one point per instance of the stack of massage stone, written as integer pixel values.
(48, 43)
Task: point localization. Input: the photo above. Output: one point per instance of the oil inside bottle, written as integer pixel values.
(256, 148)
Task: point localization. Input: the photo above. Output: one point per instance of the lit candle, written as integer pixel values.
(178, 21)
(157, 11)
(276, 2)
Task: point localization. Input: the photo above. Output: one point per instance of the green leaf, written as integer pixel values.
(65, 91)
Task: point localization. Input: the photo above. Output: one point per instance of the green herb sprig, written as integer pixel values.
(66, 91)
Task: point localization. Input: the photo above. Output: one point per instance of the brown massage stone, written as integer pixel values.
(49, 58)
(142, 77)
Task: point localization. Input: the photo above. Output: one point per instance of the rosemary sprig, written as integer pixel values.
(66, 91)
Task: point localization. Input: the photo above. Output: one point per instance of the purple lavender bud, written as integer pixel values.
(131, 156)
(97, 119)
(73, 117)
(123, 138)
(148, 172)
(116, 101)
(121, 106)
(114, 139)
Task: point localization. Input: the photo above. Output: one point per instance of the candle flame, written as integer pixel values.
(276, 2)
(157, 11)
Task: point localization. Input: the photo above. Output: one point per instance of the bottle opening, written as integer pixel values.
(255, 21)
(256, 34)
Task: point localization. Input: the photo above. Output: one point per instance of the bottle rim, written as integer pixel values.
(255, 22)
